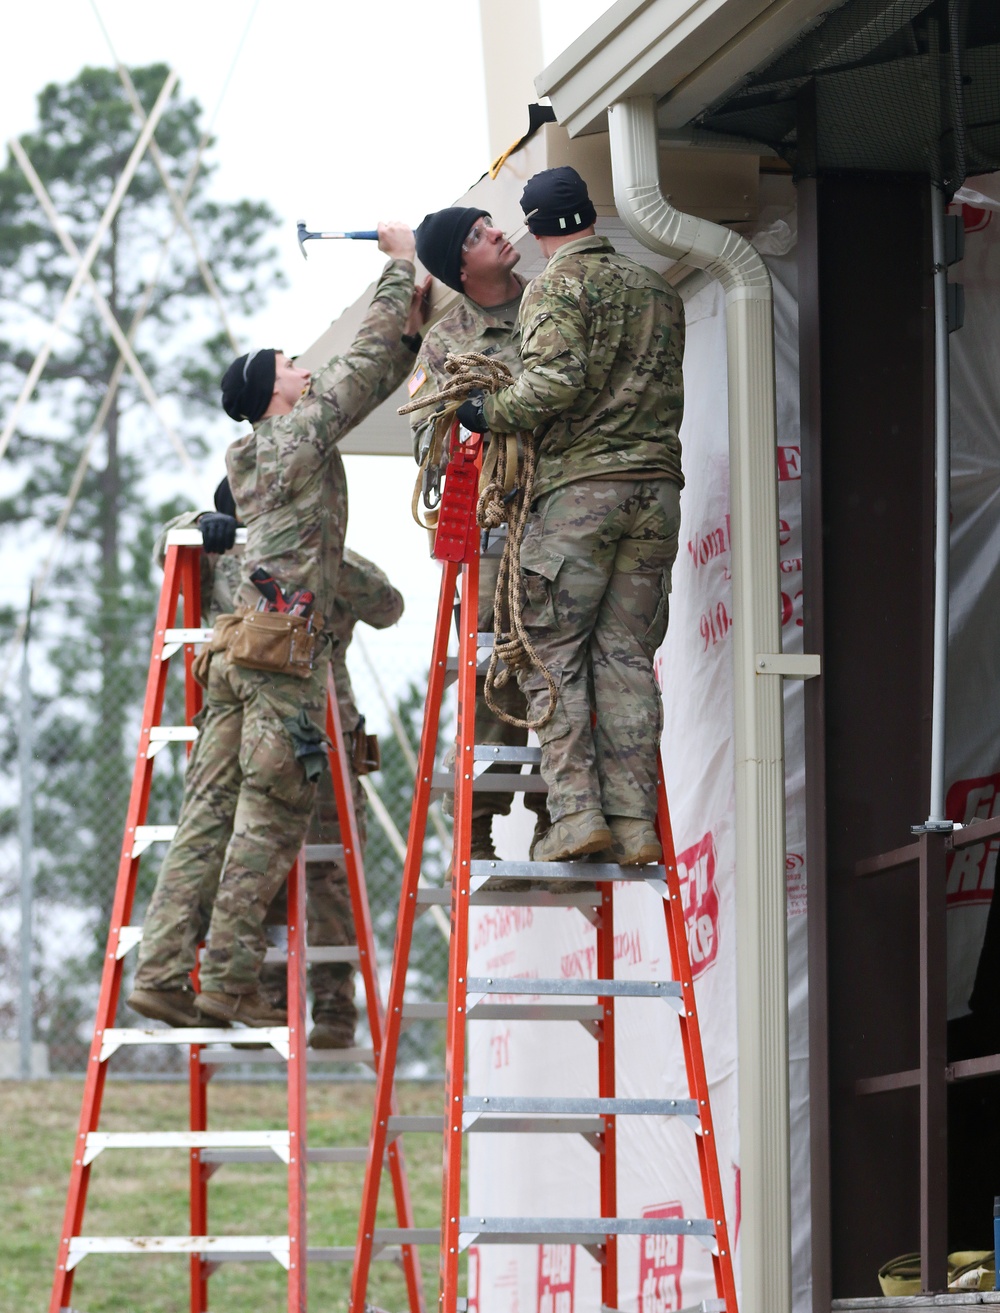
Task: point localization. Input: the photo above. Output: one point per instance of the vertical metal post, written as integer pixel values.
(942, 492)
(26, 755)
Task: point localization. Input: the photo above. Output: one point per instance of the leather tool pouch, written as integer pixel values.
(366, 756)
(273, 640)
(224, 626)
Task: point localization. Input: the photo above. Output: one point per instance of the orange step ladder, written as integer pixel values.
(457, 546)
(210, 1047)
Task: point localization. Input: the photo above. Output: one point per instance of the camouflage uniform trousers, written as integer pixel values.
(596, 559)
(247, 804)
(489, 728)
(328, 905)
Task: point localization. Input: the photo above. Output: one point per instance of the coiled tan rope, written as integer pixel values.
(503, 499)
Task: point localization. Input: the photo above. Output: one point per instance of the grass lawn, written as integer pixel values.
(145, 1193)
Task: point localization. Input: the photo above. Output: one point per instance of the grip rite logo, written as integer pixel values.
(556, 1265)
(700, 901)
(661, 1262)
(971, 870)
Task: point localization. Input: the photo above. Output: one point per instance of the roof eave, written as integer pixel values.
(688, 53)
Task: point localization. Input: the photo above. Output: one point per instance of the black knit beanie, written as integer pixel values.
(248, 385)
(555, 203)
(439, 242)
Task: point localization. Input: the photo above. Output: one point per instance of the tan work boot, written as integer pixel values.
(333, 1030)
(174, 1006)
(482, 849)
(573, 836)
(250, 1009)
(542, 827)
(633, 842)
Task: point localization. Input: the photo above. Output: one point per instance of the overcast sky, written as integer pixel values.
(337, 114)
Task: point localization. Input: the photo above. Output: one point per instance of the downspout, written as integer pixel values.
(761, 919)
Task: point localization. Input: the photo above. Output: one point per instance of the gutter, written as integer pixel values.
(758, 668)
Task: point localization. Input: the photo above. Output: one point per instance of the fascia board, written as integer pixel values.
(689, 51)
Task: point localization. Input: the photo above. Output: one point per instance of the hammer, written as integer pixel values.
(304, 235)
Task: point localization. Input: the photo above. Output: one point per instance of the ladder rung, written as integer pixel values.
(324, 852)
(342, 1057)
(494, 782)
(600, 988)
(473, 1103)
(507, 1011)
(596, 871)
(218, 1248)
(115, 1038)
(319, 954)
(269, 1143)
(491, 752)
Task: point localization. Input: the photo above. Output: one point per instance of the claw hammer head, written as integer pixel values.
(303, 234)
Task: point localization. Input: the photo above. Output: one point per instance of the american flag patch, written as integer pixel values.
(417, 381)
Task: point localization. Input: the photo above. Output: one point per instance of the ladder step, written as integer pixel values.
(147, 834)
(473, 1103)
(218, 1248)
(494, 752)
(174, 639)
(338, 1057)
(318, 954)
(130, 935)
(600, 988)
(407, 1235)
(502, 1125)
(340, 1155)
(159, 735)
(577, 1230)
(596, 871)
(324, 852)
(431, 896)
(494, 782)
(507, 1011)
(115, 1038)
(269, 1144)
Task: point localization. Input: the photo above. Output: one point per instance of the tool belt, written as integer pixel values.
(263, 640)
(366, 755)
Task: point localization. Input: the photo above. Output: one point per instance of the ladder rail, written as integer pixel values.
(606, 1090)
(121, 909)
(296, 1068)
(365, 936)
(401, 948)
(458, 948)
(694, 1057)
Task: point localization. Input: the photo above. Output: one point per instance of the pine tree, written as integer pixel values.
(94, 624)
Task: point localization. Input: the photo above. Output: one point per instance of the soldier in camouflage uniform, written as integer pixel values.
(364, 593)
(263, 747)
(466, 251)
(602, 342)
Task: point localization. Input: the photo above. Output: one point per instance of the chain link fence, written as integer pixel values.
(68, 733)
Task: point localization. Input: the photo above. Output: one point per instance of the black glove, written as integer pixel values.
(218, 532)
(470, 413)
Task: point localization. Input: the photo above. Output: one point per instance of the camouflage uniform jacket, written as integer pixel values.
(287, 476)
(364, 593)
(466, 327)
(602, 340)
(221, 576)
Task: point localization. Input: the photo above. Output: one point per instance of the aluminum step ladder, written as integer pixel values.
(457, 546)
(210, 1048)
